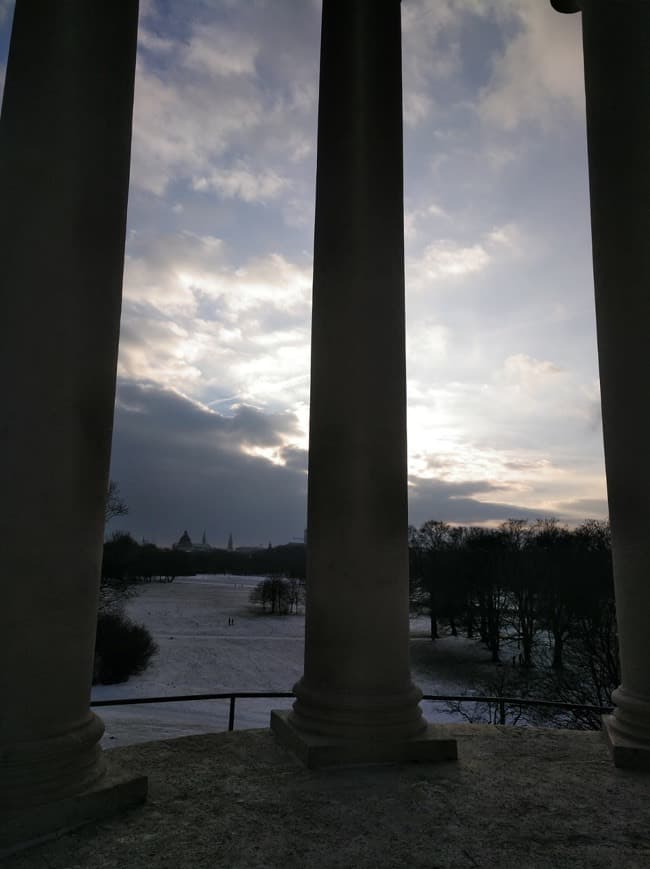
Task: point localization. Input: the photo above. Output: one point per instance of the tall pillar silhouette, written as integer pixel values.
(356, 700)
(65, 136)
(616, 39)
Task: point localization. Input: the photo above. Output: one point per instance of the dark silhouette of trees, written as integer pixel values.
(523, 599)
(553, 565)
(541, 593)
(431, 543)
(486, 549)
(288, 559)
(122, 648)
(592, 647)
(127, 562)
(283, 596)
(120, 553)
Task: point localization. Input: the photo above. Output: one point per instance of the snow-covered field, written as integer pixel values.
(199, 652)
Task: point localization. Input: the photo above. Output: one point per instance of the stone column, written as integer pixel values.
(356, 700)
(65, 134)
(616, 37)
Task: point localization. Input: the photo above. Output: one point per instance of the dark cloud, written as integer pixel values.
(254, 428)
(189, 421)
(590, 508)
(453, 502)
(523, 464)
(181, 466)
(295, 458)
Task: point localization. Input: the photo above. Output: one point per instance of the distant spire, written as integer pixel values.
(203, 540)
(230, 543)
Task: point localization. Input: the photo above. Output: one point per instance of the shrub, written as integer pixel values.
(122, 648)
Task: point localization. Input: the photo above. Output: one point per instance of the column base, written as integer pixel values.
(626, 753)
(318, 751)
(40, 771)
(114, 793)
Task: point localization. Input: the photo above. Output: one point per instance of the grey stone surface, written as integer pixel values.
(625, 753)
(65, 137)
(357, 677)
(113, 793)
(616, 42)
(318, 751)
(514, 799)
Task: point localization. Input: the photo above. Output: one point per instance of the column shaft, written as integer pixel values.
(357, 682)
(616, 39)
(65, 134)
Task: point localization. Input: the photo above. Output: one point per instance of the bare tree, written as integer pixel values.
(432, 540)
(115, 504)
(503, 687)
(283, 595)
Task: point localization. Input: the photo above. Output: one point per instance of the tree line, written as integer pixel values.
(539, 596)
(126, 561)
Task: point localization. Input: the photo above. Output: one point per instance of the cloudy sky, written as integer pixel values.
(213, 390)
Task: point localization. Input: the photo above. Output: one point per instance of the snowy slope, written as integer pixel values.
(200, 652)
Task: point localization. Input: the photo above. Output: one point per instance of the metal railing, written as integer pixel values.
(233, 696)
(521, 702)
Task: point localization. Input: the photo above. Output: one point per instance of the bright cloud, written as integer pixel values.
(180, 129)
(194, 320)
(241, 183)
(220, 53)
(205, 112)
(539, 72)
(447, 260)
(531, 374)
(427, 58)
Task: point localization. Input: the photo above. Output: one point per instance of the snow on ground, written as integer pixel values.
(199, 652)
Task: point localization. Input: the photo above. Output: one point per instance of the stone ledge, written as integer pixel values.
(316, 751)
(625, 753)
(113, 793)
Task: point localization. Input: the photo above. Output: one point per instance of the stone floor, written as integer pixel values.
(519, 798)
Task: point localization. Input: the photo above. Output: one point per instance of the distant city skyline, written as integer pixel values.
(190, 542)
(211, 420)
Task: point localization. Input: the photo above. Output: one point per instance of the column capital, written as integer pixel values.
(568, 6)
(565, 5)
